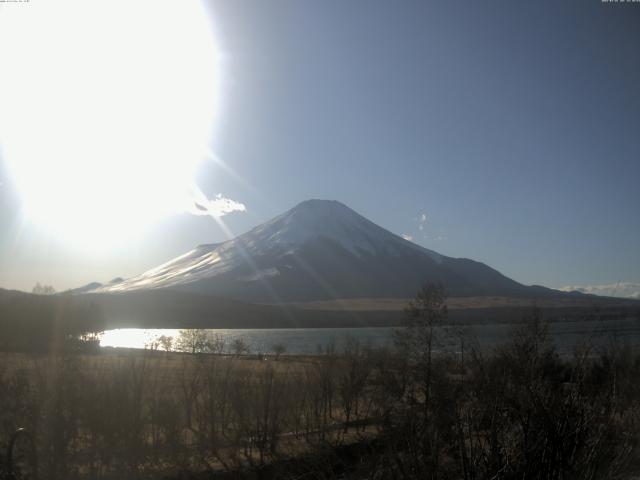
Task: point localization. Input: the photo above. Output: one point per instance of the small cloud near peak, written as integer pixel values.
(216, 207)
(422, 220)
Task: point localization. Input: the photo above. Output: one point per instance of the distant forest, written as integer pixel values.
(39, 322)
(30, 322)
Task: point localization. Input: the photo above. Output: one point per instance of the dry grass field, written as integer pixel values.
(127, 414)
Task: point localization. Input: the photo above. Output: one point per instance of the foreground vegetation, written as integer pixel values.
(410, 412)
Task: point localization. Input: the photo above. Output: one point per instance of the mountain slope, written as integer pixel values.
(321, 250)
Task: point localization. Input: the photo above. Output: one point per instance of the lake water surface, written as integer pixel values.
(567, 335)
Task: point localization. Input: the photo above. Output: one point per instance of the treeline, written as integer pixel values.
(414, 411)
(519, 411)
(139, 415)
(44, 323)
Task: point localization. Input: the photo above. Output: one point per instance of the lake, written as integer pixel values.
(307, 340)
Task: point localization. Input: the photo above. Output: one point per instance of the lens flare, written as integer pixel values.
(106, 108)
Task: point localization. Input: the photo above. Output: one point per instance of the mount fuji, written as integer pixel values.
(320, 250)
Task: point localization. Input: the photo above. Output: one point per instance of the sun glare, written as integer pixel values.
(106, 108)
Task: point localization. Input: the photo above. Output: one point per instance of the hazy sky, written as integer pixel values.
(513, 126)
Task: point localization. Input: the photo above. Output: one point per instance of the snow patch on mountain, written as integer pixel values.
(260, 275)
(334, 221)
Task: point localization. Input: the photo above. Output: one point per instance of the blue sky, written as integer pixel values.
(513, 127)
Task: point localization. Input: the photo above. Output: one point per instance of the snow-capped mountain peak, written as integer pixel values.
(309, 221)
(331, 220)
(318, 249)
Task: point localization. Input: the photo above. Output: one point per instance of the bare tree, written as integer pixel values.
(278, 349)
(39, 289)
(216, 344)
(192, 340)
(166, 342)
(239, 346)
(352, 379)
(417, 340)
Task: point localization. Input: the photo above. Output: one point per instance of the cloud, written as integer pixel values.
(422, 220)
(423, 232)
(621, 289)
(215, 207)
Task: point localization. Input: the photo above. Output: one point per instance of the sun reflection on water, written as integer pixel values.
(135, 337)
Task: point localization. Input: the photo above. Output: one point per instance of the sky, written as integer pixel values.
(506, 132)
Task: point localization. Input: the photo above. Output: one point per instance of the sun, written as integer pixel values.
(106, 110)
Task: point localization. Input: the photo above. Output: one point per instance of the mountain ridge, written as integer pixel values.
(319, 250)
